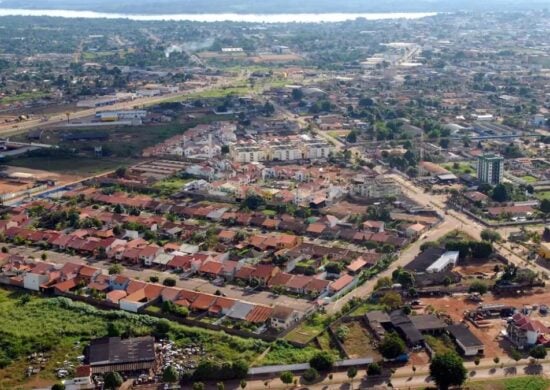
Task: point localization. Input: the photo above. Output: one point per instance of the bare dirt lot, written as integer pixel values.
(358, 341)
(495, 344)
(342, 209)
(11, 185)
(477, 268)
(37, 174)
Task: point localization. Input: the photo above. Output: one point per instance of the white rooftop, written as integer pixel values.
(444, 261)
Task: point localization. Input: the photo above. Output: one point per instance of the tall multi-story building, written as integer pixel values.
(490, 168)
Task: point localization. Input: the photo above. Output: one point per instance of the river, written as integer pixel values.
(222, 17)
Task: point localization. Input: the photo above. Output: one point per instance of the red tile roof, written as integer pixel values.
(259, 314)
(341, 282)
(203, 302)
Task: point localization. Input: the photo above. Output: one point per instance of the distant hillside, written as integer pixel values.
(275, 6)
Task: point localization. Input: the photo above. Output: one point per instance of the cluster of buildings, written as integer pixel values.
(414, 329)
(291, 148)
(78, 280)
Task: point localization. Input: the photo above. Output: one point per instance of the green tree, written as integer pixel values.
(170, 375)
(253, 202)
(240, 368)
(501, 193)
(447, 370)
(44, 256)
(392, 300)
(197, 386)
(383, 282)
(286, 377)
(352, 373)
(310, 375)
(115, 269)
(154, 279)
(220, 386)
(169, 282)
(112, 380)
(545, 206)
(351, 137)
(113, 330)
(478, 286)
(322, 361)
(405, 278)
(490, 235)
(297, 94)
(374, 369)
(392, 346)
(58, 386)
(243, 384)
(515, 355)
(538, 352)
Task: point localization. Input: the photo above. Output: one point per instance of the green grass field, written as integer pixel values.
(529, 179)
(459, 168)
(82, 166)
(170, 186)
(21, 97)
(308, 329)
(543, 195)
(523, 383)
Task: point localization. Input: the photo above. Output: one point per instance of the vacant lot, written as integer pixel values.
(459, 167)
(358, 342)
(530, 179)
(308, 329)
(76, 165)
(526, 383)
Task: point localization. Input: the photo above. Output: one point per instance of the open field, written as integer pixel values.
(21, 97)
(529, 179)
(459, 167)
(13, 185)
(170, 186)
(525, 383)
(542, 195)
(79, 166)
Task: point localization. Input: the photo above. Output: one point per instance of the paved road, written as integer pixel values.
(405, 257)
(60, 118)
(460, 220)
(403, 378)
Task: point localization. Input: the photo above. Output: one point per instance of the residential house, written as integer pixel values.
(525, 332)
(38, 275)
(283, 317)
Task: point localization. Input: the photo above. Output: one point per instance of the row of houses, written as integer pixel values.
(328, 227)
(135, 295)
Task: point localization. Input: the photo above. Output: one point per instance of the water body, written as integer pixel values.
(223, 17)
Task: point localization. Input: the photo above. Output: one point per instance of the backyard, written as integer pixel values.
(309, 328)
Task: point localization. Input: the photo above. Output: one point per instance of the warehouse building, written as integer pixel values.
(122, 355)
